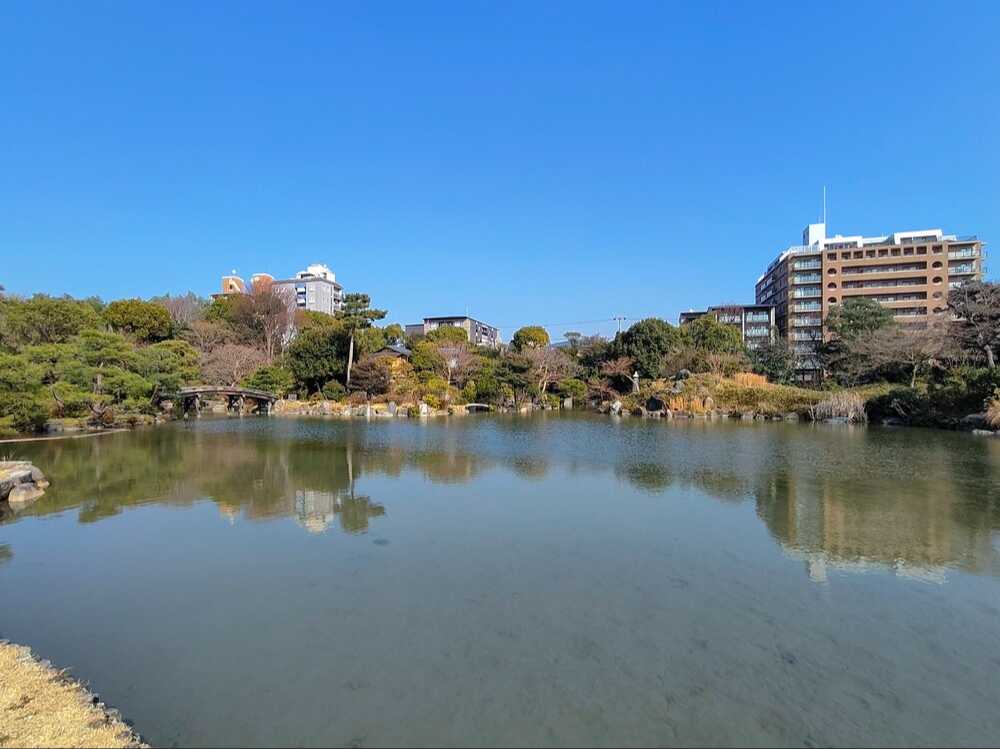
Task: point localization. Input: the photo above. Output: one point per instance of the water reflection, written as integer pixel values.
(837, 499)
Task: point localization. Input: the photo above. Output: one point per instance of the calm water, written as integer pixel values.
(518, 581)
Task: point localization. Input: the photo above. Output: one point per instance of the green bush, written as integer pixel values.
(334, 390)
(963, 391)
(27, 415)
(272, 378)
(900, 403)
(573, 388)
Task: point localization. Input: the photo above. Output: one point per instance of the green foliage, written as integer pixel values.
(530, 336)
(144, 321)
(358, 312)
(647, 343)
(44, 319)
(469, 391)
(713, 337)
(168, 365)
(368, 341)
(448, 334)
(316, 356)
(274, 378)
(426, 357)
(27, 414)
(573, 388)
(394, 333)
(334, 390)
(856, 316)
(774, 360)
(962, 391)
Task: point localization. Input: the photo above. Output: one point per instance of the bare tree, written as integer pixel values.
(548, 365)
(916, 349)
(230, 363)
(272, 307)
(977, 306)
(206, 336)
(183, 310)
(458, 363)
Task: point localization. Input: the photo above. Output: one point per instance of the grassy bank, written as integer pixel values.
(41, 706)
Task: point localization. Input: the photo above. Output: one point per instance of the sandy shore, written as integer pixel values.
(41, 706)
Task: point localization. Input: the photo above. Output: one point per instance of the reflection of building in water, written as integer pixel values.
(915, 531)
(315, 510)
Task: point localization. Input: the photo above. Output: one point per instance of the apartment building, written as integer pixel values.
(908, 272)
(479, 333)
(314, 289)
(755, 321)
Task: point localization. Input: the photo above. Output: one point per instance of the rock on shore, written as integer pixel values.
(21, 482)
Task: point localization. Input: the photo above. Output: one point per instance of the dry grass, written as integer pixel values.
(842, 405)
(750, 380)
(993, 410)
(40, 707)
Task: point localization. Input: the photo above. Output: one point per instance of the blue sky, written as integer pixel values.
(532, 162)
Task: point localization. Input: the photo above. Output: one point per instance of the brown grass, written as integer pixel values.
(993, 410)
(39, 706)
(844, 404)
(749, 379)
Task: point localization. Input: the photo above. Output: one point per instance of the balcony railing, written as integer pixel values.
(807, 265)
(806, 322)
(758, 318)
(807, 278)
(967, 252)
(805, 293)
(957, 270)
(799, 336)
(807, 307)
(758, 330)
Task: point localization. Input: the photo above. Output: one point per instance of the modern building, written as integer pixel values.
(315, 288)
(908, 272)
(754, 321)
(479, 333)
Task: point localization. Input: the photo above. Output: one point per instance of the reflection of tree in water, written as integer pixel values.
(6, 553)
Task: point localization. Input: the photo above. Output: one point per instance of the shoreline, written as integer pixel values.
(41, 705)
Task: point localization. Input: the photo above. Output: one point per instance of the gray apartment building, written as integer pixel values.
(314, 289)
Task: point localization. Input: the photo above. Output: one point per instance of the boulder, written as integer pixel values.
(567, 403)
(21, 483)
(974, 421)
(423, 409)
(655, 404)
(985, 432)
(616, 407)
(747, 416)
(682, 374)
(791, 417)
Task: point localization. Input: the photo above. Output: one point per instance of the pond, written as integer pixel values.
(503, 580)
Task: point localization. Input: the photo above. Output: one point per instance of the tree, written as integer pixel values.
(856, 316)
(976, 304)
(528, 337)
(372, 376)
(458, 363)
(548, 365)
(147, 322)
(356, 315)
(394, 333)
(183, 309)
(272, 309)
(647, 343)
(316, 355)
(914, 349)
(713, 337)
(206, 335)
(44, 319)
(272, 378)
(618, 373)
(426, 357)
(774, 360)
(448, 334)
(231, 363)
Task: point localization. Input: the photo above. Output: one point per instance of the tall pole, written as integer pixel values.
(620, 321)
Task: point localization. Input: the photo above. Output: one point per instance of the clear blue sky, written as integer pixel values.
(530, 161)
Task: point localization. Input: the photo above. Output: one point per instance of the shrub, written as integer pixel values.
(273, 378)
(27, 415)
(334, 390)
(432, 400)
(900, 403)
(571, 387)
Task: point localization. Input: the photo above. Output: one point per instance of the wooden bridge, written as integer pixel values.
(237, 398)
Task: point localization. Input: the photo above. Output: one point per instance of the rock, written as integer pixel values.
(655, 404)
(423, 409)
(677, 387)
(893, 421)
(639, 411)
(391, 408)
(616, 407)
(974, 421)
(568, 403)
(668, 414)
(682, 374)
(747, 416)
(985, 432)
(21, 482)
(791, 417)
(709, 403)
